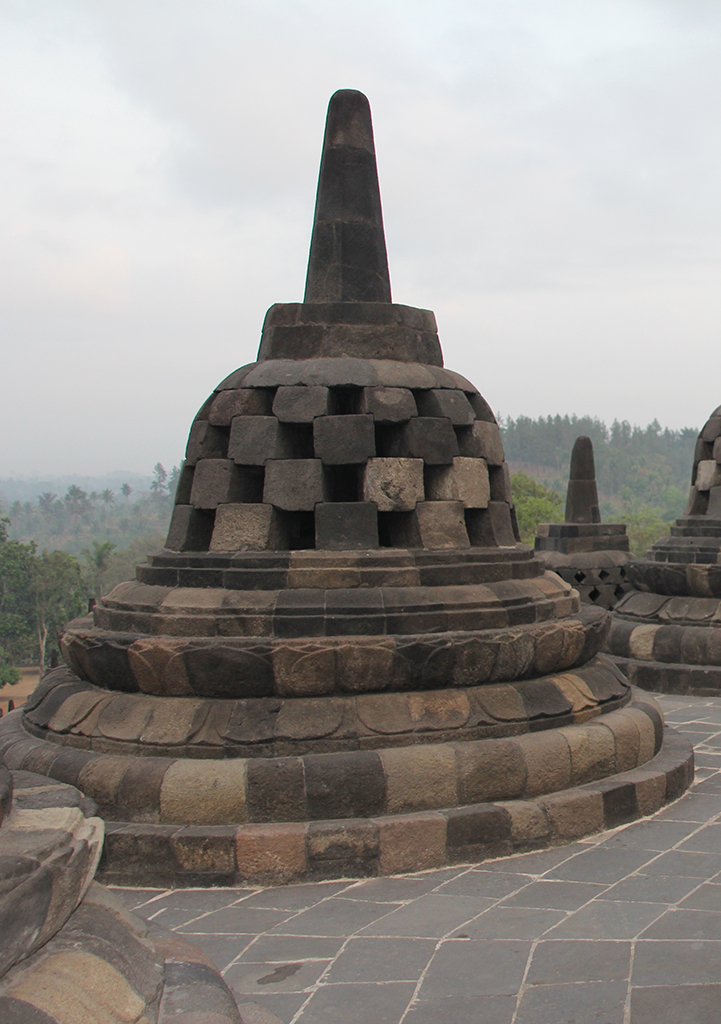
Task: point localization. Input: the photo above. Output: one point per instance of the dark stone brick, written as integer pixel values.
(295, 485)
(349, 785)
(481, 408)
(347, 848)
(543, 699)
(18, 1011)
(657, 720)
(275, 789)
(490, 527)
(344, 440)
(346, 525)
(425, 437)
(620, 803)
(23, 912)
(108, 666)
(223, 671)
(206, 442)
(138, 796)
(241, 402)
(219, 482)
(255, 439)
(190, 530)
(300, 404)
(446, 402)
(389, 405)
(475, 830)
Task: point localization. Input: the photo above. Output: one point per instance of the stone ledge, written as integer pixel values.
(662, 677)
(349, 784)
(273, 854)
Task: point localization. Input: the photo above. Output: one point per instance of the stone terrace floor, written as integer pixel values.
(620, 928)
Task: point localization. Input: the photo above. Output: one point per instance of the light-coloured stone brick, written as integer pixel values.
(466, 481)
(251, 527)
(709, 475)
(200, 792)
(395, 485)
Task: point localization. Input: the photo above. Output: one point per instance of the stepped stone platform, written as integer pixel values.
(665, 632)
(69, 950)
(343, 661)
(590, 555)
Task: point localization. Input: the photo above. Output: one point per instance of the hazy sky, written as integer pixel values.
(550, 174)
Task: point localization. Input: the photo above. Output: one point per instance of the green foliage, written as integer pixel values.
(8, 674)
(643, 474)
(534, 504)
(98, 563)
(38, 595)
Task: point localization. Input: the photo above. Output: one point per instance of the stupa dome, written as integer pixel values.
(665, 632)
(344, 662)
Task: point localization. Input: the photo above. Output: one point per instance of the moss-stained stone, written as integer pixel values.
(490, 770)
(572, 815)
(593, 752)
(204, 792)
(419, 777)
(271, 854)
(413, 842)
(548, 763)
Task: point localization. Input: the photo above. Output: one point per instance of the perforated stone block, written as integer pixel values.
(441, 524)
(395, 485)
(432, 439)
(300, 404)
(446, 402)
(708, 475)
(243, 402)
(482, 440)
(465, 481)
(344, 525)
(296, 485)
(255, 439)
(215, 482)
(389, 405)
(246, 527)
(344, 440)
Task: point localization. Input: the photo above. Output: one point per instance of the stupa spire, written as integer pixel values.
(582, 496)
(348, 261)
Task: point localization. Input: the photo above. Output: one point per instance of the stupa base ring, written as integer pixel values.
(280, 853)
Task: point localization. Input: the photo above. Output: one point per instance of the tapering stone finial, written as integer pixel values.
(582, 496)
(348, 261)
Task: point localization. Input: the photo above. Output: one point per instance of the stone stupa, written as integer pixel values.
(666, 632)
(590, 555)
(344, 662)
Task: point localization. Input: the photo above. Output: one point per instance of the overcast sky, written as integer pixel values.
(550, 174)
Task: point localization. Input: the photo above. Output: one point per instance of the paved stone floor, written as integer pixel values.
(621, 928)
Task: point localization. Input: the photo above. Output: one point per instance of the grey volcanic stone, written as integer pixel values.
(389, 405)
(443, 402)
(255, 439)
(294, 484)
(582, 497)
(430, 438)
(348, 260)
(300, 404)
(344, 440)
(344, 525)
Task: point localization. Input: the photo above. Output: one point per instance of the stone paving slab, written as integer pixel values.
(621, 928)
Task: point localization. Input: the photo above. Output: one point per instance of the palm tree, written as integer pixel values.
(107, 497)
(98, 563)
(126, 490)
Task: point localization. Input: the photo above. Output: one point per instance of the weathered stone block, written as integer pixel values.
(714, 502)
(255, 439)
(344, 525)
(243, 402)
(395, 485)
(389, 405)
(432, 439)
(446, 402)
(712, 429)
(482, 440)
(412, 842)
(466, 481)
(294, 484)
(190, 529)
(708, 475)
(344, 440)
(491, 527)
(441, 524)
(246, 527)
(206, 442)
(215, 482)
(300, 404)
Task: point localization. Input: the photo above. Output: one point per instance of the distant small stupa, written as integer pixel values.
(590, 555)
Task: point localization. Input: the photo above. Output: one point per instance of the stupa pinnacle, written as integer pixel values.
(590, 555)
(343, 662)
